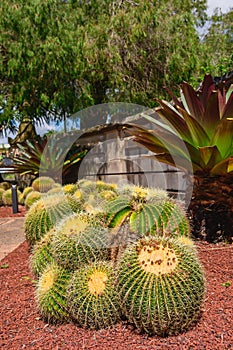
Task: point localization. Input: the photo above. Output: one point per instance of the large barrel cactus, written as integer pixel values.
(161, 285)
(51, 294)
(92, 296)
(45, 214)
(138, 212)
(79, 239)
(148, 216)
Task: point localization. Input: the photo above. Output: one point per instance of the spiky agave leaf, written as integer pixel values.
(49, 157)
(198, 130)
(92, 296)
(51, 294)
(161, 286)
(79, 239)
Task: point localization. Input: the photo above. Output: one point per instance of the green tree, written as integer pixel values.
(58, 57)
(218, 43)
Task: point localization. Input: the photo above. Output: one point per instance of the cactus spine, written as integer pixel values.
(45, 214)
(92, 296)
(31, 198)
(161, 285)
(51, 294)
(41, 255)
(43, 184)
(79, 240)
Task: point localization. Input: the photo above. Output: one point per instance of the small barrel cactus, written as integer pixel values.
(161, 286)
(5, 185)
(31, 198)
(51, 294)
(7, 197)
(26, 191)
(43, 184)
(45, 214)
(41, 255)
(78, 240)
(92, 296)
(1, 193)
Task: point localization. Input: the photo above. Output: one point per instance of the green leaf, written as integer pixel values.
(193, 104)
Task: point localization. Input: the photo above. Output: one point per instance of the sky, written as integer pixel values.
(225, 5)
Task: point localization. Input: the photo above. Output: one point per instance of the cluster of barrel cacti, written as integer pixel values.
(102, 254)
(27, 196)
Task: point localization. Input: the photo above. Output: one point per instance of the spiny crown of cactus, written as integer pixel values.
(43, 184)
(51, 294)
(45, 214)
(161, 285)
(69, 188)
(41, 255)
(142, 194)
(79, 239)
(92, 296)
(147, 217)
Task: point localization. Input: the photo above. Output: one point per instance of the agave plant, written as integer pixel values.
(197, 130)
(48, 157)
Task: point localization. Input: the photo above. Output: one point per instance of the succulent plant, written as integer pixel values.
(69, 188)
(41, 255)
(161, 286)
(31, 198)
(1, 193)
(7, 197)
(79, 239)
(27, 190)
(92, 296)
(55, 190)
(145, 218)
(51, 294)
(49, 157)
(45, 214)
(195, 134)
(5, 185)
(21, 198)
(43, 184)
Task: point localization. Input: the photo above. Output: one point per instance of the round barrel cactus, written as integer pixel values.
(92, 296)
(161, 286)
(51, 294)
(45, 214)
(26, 191)
(79, 239)
(43, 184)
(41, 255)
(31, 198)
(7, 196)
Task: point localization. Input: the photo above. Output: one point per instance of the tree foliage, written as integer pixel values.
(58, 57)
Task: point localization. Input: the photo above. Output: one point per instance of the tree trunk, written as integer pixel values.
(211, 208)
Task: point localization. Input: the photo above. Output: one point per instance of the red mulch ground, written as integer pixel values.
(22, 327)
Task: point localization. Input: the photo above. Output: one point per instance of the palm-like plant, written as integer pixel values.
(197, 136)
(49, 157)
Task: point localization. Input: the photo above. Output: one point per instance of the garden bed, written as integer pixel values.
(23, 328)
